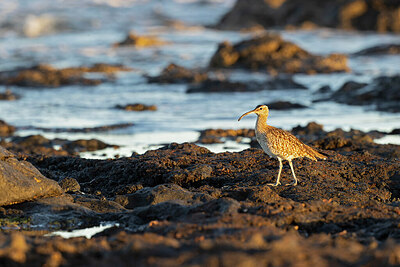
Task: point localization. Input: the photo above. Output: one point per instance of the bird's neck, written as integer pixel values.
(261, 121)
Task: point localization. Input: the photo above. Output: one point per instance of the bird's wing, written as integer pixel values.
(287, 145)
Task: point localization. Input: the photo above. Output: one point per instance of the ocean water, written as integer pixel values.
(74, 33)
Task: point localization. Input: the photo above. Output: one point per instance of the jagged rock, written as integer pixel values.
(161, 193)
(133, 39)
(383, 93)
(103, 128)
(285, 105)
(368, 15)
(137, 107)
(20, 181)
(271, 53)
(85, 145)
(48, 76)
(389, 49)
(6, 129)
(69, 185)
(222, 86)
(279, 83)
(38, 144)
(212, 136)
(8, 95)
(177, 74)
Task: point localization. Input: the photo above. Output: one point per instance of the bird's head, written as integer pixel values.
(260, 110)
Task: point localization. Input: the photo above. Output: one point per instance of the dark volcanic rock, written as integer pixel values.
(6, 129)
(379, 50)
(177, 74)
(161, 193)
(189, 165)
(20, 181)
(219, 211)
(8, 95)
(85, 145)
(48, 76)
(285, 105)
(280, 82)
(273, 54)
(69, 185)
(369, 15)
(137, 40)
(37, 144)
(312, 129)
(103, 128)
(137, 107)
(211, 136)
(383, 93)
(324, 89)
(221, 86)
(33, 144)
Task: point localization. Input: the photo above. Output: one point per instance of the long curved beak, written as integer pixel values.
(245, 114)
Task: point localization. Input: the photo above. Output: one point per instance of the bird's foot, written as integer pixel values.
(294, 183)
(275, 184)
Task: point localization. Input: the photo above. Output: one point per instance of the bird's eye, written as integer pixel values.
(260, 108)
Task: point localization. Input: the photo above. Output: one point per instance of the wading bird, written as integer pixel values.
(280, 144)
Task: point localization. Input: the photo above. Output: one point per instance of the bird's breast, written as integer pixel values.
(264, 143)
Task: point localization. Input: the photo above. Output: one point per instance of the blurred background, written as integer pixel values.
(47, 36)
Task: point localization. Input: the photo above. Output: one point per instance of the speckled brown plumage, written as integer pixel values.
(280, 144)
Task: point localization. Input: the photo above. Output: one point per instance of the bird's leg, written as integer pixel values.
(294, 175)
(279, 173)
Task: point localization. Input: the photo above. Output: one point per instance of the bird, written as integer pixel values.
(280, 144)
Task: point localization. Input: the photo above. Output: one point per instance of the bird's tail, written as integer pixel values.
(313, 154)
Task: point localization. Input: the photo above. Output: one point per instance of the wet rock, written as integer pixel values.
(133, 39)
(20, 181)
(347, 201)
(6, 129)
(33, 144)
(137, 107)
(104, 128)
(68, 212)
(395, 131)
(161, 193)
(195, 166)
(383, 93)
(97, 205)
(82, 145)
(222, 86)
(103, 68)
(350, 15)
(324, 89)
(283, 82)
(38, 144)
(8, 95)
(389, 49)
(161, 211)
(312, 129)
(211, 136)
(69, 185)
(48, 76)
(220, 205)
(191, 175)
(177, 74)
(275, 55)
(285, 105)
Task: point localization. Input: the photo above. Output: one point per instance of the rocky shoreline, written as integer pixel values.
(182, 204)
